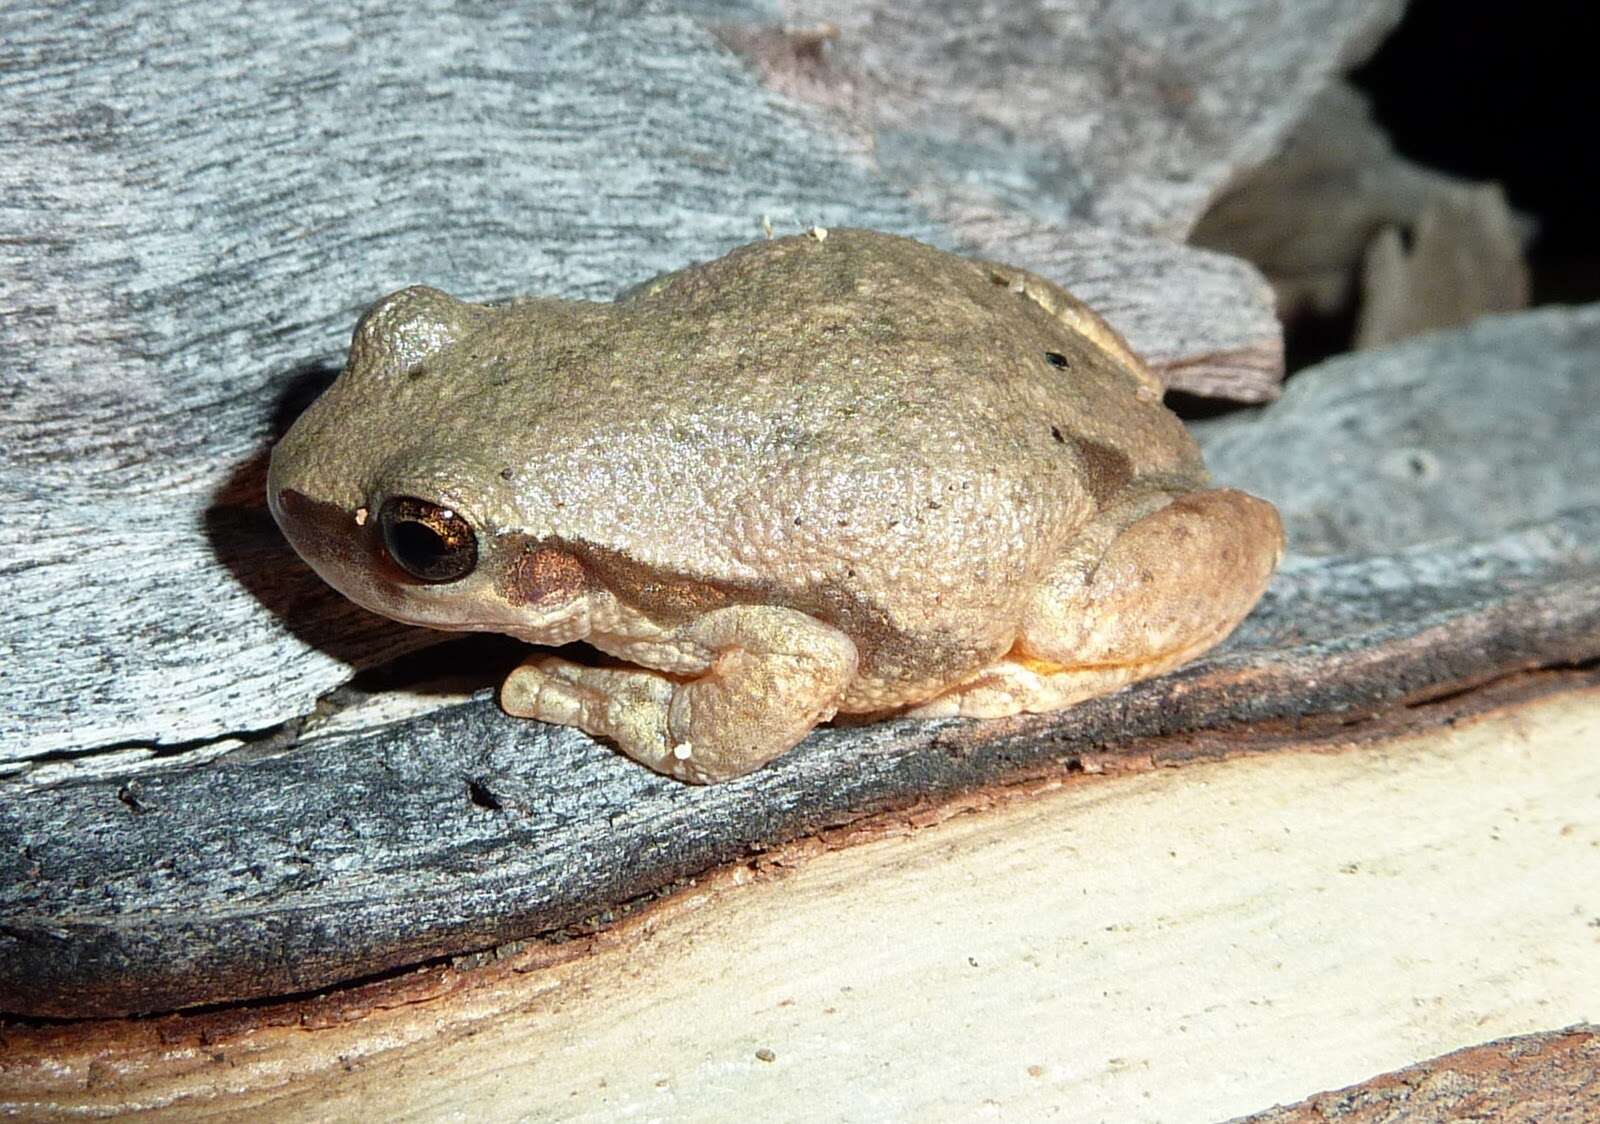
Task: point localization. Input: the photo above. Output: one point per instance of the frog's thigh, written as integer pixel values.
(775, 673)
(1168, 587)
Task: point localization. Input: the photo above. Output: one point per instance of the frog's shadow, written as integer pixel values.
(245, 539)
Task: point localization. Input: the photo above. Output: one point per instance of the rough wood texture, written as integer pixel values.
(186, 243)
(1438, 438)
(460, 829)
(1177, 945)
(1126, 116)
(1551, 1078)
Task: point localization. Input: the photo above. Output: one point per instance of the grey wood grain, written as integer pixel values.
(1456, 434)
(1130, 116)
(188, 236)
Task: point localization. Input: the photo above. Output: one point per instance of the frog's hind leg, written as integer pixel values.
(1130, 603)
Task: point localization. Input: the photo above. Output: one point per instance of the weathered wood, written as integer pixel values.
(187, 242)
(1178, 945)
(259, 875)
(1550, 1078)
(1465, 261)
(1127, 116)
(1441, 437)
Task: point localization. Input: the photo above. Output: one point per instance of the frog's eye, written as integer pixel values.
(429, 542)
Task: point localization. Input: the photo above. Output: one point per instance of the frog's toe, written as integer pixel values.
(530, 691)
(627, 705)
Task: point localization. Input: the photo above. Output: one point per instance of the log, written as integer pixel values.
(1445, 436)
(1178, 944)
(1131, 117)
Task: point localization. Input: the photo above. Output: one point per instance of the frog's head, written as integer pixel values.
(383, 491)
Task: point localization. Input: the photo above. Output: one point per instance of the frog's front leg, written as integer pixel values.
(763, 678)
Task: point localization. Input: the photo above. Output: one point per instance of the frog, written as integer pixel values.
(838, 476)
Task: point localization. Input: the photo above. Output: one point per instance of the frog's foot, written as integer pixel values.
(773, 675)
(1166, 588)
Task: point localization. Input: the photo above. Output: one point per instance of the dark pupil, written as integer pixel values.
(428, 541)
(417, 547)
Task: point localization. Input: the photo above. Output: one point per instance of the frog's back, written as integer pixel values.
(800, 370)
(894, 438)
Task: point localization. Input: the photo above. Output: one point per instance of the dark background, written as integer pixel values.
(1505, 92)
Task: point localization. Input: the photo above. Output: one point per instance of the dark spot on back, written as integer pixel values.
(1056, 359)
(1055, 432)
(1108, 470)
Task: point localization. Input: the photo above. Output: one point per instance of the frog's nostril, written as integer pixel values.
(430, 542)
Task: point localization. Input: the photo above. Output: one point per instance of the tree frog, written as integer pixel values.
(837, 473)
